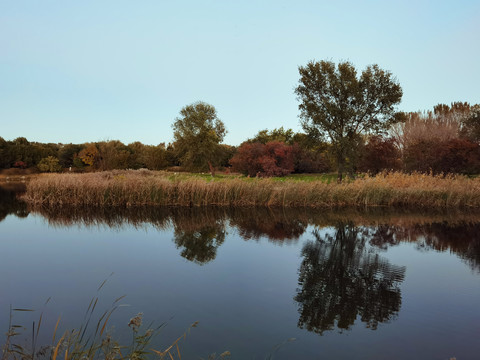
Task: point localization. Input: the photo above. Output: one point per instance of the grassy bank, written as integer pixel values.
(140, 188)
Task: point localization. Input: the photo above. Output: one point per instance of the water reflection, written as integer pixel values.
(341, 278)
(461, 238)
(278, 226)
(198, 236)
(8, 200)
(198, 232)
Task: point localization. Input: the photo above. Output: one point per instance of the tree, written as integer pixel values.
(337, 105)
(49, 164)
(6, 156)
(113, 155)
(198, 133)
(471, 125)
(89, 155)
(66, 154)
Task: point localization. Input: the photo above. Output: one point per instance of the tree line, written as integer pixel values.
(350, 124)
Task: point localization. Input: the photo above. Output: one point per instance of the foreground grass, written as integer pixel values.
(92, 340)
(142, 187)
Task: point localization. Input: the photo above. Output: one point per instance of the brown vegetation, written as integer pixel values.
(146, 188)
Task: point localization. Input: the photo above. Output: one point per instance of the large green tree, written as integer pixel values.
(339, 106)
(197, 133)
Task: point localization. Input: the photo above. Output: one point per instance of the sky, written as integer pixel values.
(85, 71)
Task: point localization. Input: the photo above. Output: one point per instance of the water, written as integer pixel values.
(344, 284)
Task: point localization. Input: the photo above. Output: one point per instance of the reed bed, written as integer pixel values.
(146, 188)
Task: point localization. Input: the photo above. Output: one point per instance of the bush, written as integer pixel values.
(459, 156)
(380, 154)
(309, 161)
(20, 165)
(451, 156)
(270, 159)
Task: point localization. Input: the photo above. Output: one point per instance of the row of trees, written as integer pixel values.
(105, 155)
(349, 120)
(443, 140)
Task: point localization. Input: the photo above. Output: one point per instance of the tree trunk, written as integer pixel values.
(351, 174)
(212, 169)
(340, 168)
(340, 165)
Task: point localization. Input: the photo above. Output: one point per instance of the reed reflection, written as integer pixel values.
(341, 278)
(277, 225)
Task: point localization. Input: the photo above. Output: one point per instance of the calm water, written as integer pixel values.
(345, 285)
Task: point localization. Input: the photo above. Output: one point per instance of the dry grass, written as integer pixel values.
(146, 188)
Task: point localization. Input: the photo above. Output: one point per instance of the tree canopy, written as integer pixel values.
(338, 105)
(197, 133)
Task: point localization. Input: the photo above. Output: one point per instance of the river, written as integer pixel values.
(344, 284)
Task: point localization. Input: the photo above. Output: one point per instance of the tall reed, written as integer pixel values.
(142, 188)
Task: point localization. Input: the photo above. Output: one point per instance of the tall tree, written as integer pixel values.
(198, 132)
(338, 106)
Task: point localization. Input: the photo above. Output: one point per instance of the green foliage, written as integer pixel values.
(471, 125)
(5, 154)
(338, 106)
(49, 164)
(147, 156)
(78, 163)
(226, 153)
(198, 132)
(113, 155)
(66, 154)
(280, 134)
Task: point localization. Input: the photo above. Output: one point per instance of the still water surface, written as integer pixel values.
(344, 284)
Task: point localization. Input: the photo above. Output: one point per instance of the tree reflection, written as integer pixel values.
(9, 204)
(461, 238)
(341, 279)
(198, 237)
(458, 232)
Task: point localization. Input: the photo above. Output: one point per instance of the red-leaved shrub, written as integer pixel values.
(270, 159)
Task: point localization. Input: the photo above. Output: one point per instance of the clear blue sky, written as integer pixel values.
(81, 71)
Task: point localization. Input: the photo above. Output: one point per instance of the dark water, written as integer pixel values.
(345, 284)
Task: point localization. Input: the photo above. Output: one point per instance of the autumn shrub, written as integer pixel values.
(309, 161)
(459, 156)
(380, 154)
(271, 159)
(451, 156)
(20, 165)
(421, 156)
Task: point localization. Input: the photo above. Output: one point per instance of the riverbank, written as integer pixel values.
(147, 188)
